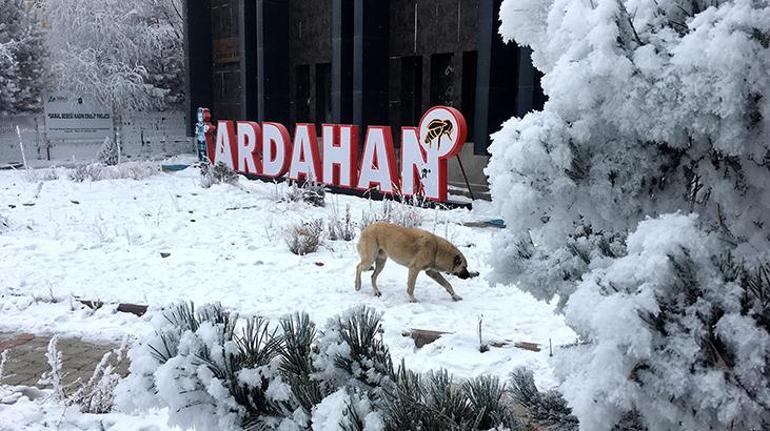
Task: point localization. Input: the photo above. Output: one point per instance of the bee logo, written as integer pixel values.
(437, 129)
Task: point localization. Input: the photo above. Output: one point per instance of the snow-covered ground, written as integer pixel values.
(103, 240)
(46, 414)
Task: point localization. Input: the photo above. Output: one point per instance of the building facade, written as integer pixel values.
(361, 62)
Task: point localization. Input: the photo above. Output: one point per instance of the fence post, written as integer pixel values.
(21, 146)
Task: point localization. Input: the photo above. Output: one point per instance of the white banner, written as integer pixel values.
(74, 118)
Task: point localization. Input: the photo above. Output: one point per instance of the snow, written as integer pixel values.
(43, 414)
(672, 366)
(329, 413)
(226, 245)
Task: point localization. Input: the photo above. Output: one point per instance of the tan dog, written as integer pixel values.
(415, 249)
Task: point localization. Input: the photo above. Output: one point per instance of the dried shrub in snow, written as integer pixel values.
(3, 358)
(97, 394)
(305, 237)
(309, 192)
(129, 170)
(53, 376)
(219, 174)
(94, 396)
(40, 175)
(406, 213)
(81, 173)
(339, 228)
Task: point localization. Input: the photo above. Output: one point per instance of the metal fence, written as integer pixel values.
(144, 135)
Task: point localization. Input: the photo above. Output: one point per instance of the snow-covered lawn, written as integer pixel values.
(103, 240)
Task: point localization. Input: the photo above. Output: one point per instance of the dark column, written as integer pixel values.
(497, 70)
(370, 62)
(529, 93)
(247, 33)
(273, 60)
(342, 61)
(527, 83)
(198, 57)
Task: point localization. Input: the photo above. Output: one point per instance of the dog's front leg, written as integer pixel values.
(413, 272)
(432, 273)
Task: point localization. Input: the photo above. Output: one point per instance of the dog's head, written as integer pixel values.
(460, 268)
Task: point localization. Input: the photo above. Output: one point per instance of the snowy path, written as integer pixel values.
(103, 240)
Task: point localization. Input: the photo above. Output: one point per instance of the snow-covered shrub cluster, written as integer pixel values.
(129, 170)
(22, 54)
(305, 237)
(661, 110)
(215, 370)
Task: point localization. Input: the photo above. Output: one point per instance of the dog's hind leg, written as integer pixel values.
(413, 272)
(379, 264)
(367, 259)
(432, 273)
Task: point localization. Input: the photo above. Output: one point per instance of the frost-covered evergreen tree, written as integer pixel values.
(655, 107)
(21, 58)
(125, 54)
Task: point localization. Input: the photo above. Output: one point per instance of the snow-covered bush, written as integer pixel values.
(544, 409)
(672, 326)
(309, 192)
(656, 109)
(313, 193)
(305, 238)
(22, 54)
(297, 347)
(352, 352)
(212, 376)
(653, 107)
(90, 172)
(219, 174)
(338, 228)
(109, 153)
